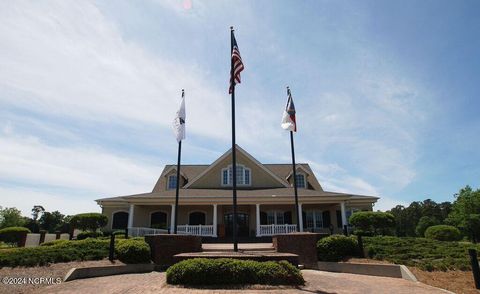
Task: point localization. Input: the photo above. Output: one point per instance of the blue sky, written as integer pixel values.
(386, 94)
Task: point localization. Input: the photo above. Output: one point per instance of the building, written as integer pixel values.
(266, 204)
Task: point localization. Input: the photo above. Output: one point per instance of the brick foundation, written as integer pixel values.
(165, 246)
(302, 244)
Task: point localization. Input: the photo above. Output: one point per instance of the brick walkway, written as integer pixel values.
(317, 282)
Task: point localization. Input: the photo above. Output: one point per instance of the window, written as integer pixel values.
(275, 218)
(120, 220)
(196, 218)
(301, 181)
(243, 176)
(314, 219)
(172, 182)
(158, 220)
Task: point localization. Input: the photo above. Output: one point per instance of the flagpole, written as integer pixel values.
(234, 154)
(177, 190)
(295, 179)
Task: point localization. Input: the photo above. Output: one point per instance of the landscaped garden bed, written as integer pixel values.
(65, 251)
(426, 254)
(225, 271)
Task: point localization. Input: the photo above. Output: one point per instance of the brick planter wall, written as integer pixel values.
(302, 244)
(165, 246)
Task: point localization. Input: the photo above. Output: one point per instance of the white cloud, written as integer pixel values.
(68, 59)
(24, 199)
(92, 172)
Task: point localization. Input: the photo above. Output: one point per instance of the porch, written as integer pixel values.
(216, 220)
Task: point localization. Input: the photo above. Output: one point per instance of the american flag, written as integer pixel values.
(237, 65)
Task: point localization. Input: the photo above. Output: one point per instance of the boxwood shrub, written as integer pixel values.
(133, 251)
(12, 235)
(336, 248)
(443, 233)
(226, 271)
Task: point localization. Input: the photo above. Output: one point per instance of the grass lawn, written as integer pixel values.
(425, 254)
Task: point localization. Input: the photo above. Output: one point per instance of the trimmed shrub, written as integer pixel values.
(133, 251)
(336, 248)
(58, 242)
(373, 222)
(89, 221)
(12, 235)
(226, 271)
(89, 234)
(424, 223)
(443, 233)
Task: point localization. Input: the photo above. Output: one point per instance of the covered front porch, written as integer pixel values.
(216, 220)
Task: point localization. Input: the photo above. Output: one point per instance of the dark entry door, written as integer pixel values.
(242, 224)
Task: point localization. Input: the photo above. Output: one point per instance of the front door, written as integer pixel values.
(242, 224)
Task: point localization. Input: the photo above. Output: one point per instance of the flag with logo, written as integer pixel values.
(179, 121)
(288, 120)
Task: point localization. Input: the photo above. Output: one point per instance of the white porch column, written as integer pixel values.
(257, 218)
(344, 214)
(215, 220)
(130, 215)
(172, 219)
(300, 216)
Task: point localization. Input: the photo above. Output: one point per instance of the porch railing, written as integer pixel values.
(270, 230)
(140, 232)
(195, 230)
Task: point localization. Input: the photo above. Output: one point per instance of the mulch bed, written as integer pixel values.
(57, 270)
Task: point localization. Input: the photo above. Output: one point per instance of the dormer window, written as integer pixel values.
(243, 176)
(172, 182)
(301, 183)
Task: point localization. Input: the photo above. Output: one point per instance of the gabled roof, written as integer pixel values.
(246, 154)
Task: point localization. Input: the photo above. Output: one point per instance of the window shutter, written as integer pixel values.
(326, 219)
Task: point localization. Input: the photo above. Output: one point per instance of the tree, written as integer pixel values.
(370, 222)
(465, 213)
(10, 217)
(89, 221)
(51, 221)
(424, 223)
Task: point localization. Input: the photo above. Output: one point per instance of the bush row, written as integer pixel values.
(133, 250)
(202, 271)
(426, 254)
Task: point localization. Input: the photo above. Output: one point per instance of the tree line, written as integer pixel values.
(41, 220)
(463, 213)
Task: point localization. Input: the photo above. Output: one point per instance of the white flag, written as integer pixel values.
(179, 121)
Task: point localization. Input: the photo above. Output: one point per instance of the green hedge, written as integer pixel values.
(88, 249)
(426, 254)
(202, 271)
(12, 235)
(336, 248)
(443, 233)
(56, 242)
(133, 251)
(88, 234)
